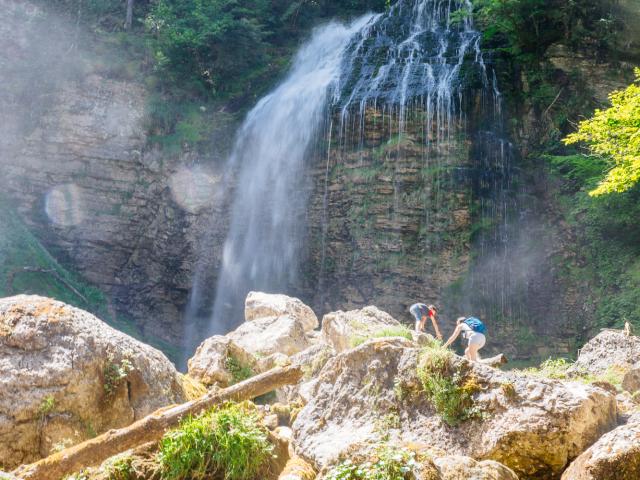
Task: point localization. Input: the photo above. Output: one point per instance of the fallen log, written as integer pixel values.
(152, 427)
(496, 361)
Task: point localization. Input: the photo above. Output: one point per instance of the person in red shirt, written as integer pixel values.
(420, 312)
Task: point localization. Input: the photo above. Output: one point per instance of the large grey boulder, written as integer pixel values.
(532, 425)
(269, 335)
(261, 305)
(340, 329)
(615, 456)
(218, 361)
(608, 349)
(66, 376)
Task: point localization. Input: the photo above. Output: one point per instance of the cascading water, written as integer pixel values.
(266, 235)
(408, 117)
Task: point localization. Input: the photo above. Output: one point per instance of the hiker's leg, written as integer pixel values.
(472, 352)
(423, 322)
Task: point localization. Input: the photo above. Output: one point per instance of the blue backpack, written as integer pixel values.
(476, 325)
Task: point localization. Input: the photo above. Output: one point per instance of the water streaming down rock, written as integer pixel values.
(266, 236)
(418, 146)
(411, 162)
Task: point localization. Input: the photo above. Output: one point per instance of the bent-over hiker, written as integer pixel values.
(472, 330)
(420, 311)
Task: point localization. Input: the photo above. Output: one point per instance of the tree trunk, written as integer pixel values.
(129, 20)
(152, 427)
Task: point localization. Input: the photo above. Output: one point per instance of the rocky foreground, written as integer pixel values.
(375, 401)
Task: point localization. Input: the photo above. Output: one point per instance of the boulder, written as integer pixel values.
(312, 360)
(340, 329)
(609, 349)
(218, 361)
(66, 376)
(260, 305)
(373, 391)
(615, 456)
(631, 379)
(455, 467)
(269, 335)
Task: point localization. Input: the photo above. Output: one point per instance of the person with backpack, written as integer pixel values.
(473, 331)
(420, 312)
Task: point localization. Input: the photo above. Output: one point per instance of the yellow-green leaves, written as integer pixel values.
(614, 134)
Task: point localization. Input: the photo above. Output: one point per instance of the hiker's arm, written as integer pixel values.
(453, 336)
(436, 327)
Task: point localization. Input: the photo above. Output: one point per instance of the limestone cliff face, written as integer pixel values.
(76, 164)
(390, 218)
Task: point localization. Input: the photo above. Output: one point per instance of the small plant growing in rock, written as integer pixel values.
(229, 443)
(121, 469)
(46, 406)
(508, 389)
(62, 445)
(389, 463)
(238, 371)
(115, 373)
(449, 389)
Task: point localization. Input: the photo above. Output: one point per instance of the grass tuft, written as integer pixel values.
(399, 331)
(449, 389)
(227, 443)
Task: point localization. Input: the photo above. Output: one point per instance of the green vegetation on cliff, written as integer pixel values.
(614, 134)
(199, 57)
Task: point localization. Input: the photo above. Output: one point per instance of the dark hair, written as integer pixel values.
(432, 307)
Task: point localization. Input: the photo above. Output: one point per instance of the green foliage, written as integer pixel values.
(399, 331)
(389, 463)
(228, 442)
(614, 134)
(607, 264)
(121, 469)
(531, 26)
(239, 371)
(114, 374)
(559, 369)
(551, 368)
(46, 406)
(449, 389)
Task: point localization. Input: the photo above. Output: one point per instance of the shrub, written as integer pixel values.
(239, 371)
(121, 469)
(450, 389)
(46, 406)
(114, 374)
(389, 463)
(228, 442)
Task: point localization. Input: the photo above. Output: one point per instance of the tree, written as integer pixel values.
(129, 18)
(614, 134)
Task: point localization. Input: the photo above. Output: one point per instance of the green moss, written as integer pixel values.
(228, 443)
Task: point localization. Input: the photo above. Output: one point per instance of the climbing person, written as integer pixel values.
(420, 311)
(472, 330)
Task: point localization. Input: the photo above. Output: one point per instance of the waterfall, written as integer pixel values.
(266, 235)
(416, 76)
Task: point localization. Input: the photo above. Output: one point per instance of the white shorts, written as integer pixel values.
(476, 338)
